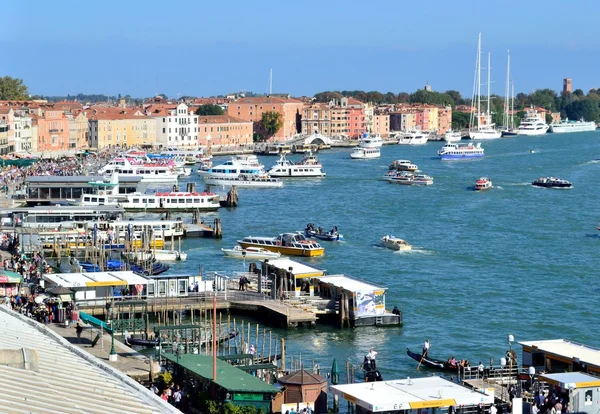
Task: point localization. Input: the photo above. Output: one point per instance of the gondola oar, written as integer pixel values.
(424, 353)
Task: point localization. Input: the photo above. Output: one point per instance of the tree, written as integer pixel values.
(209, 109)
(13, 89)
(271, 122)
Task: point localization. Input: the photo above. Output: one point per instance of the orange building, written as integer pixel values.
(223, 130)
(251, 109)
(53, 131)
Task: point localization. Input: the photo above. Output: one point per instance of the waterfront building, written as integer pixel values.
(223, 130)
(121, 128)
(251, 109)
(381, 125)
(176, 126)
(7, 119)
(78, 130)
(53, 131)
(24, 133)
(316, 119)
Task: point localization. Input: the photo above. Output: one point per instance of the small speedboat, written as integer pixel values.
(483, 183)
(551, 182)
(250, 253)
(395, 243)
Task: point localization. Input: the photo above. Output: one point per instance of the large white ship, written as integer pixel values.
(566, 126)
(533, 124)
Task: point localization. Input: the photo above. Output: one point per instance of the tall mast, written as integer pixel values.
(507, 92)
(479, 80)
(488, 88)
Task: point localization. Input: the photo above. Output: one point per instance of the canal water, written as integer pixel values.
(514, 260)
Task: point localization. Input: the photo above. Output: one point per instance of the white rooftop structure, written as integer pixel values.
(349, 283)
(566, 349)
(300, 270)
(410, 394)
(53, 376)
(571, 380)
(95, 279)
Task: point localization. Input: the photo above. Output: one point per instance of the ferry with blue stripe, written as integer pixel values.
(460, 151)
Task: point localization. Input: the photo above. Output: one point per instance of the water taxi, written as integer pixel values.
(365, 153)
(172, 201)
(309, 167)
(251, 253)
(483, 183)
(395, 243)
(291, 244)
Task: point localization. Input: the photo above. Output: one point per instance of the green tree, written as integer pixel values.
(271, 122)
(13, 89)
(209, 109)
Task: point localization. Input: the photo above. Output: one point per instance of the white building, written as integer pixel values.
(176, 127)
(23, 134)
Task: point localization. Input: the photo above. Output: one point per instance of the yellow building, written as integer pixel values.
(109, 129)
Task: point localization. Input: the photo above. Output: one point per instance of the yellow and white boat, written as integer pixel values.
(290, 244)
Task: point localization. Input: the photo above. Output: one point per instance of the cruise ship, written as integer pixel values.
(533, 124)
(460, 152)
(566, 126)
(240, 164)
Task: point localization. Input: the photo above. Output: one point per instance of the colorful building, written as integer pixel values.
(109, 129)
(251, 109)
(53, 131)
(223, 130)
(316, 118)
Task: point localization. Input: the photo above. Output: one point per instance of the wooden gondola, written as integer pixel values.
(433, 363)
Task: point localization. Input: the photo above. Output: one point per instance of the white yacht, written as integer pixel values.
(155, 172)
(365, 153)
(240, 164)
(245, 181)
(308, 167)
(533, 124)
(370, 141)
(413, 137)
(452, 136)
(485, 129)
(566, 126)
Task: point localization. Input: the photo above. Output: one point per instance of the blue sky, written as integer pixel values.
(205, 48)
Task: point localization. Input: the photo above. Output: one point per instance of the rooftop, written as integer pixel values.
(348, 283)
(62, 378)
(229, 377)
(566, 349)
(300, 270)
(95, 279)
(417, 393)
(569, 380)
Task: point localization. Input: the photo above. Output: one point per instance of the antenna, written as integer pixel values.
(270, 82)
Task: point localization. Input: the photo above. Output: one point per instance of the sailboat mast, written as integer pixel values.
(479, 81)
(488, 87)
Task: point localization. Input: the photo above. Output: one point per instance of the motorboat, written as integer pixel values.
(533, 124)
(318, 233)
(407, 178)
(291, 244)
(251, 253)
(309, 167)
(566, 126)
(395, 243)
(452, 136)
(414, 137)
(461, 152)
(403, 165)
(365, 153)
(483, 183)
(552, 182)
(245, 181)
(370, 141)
